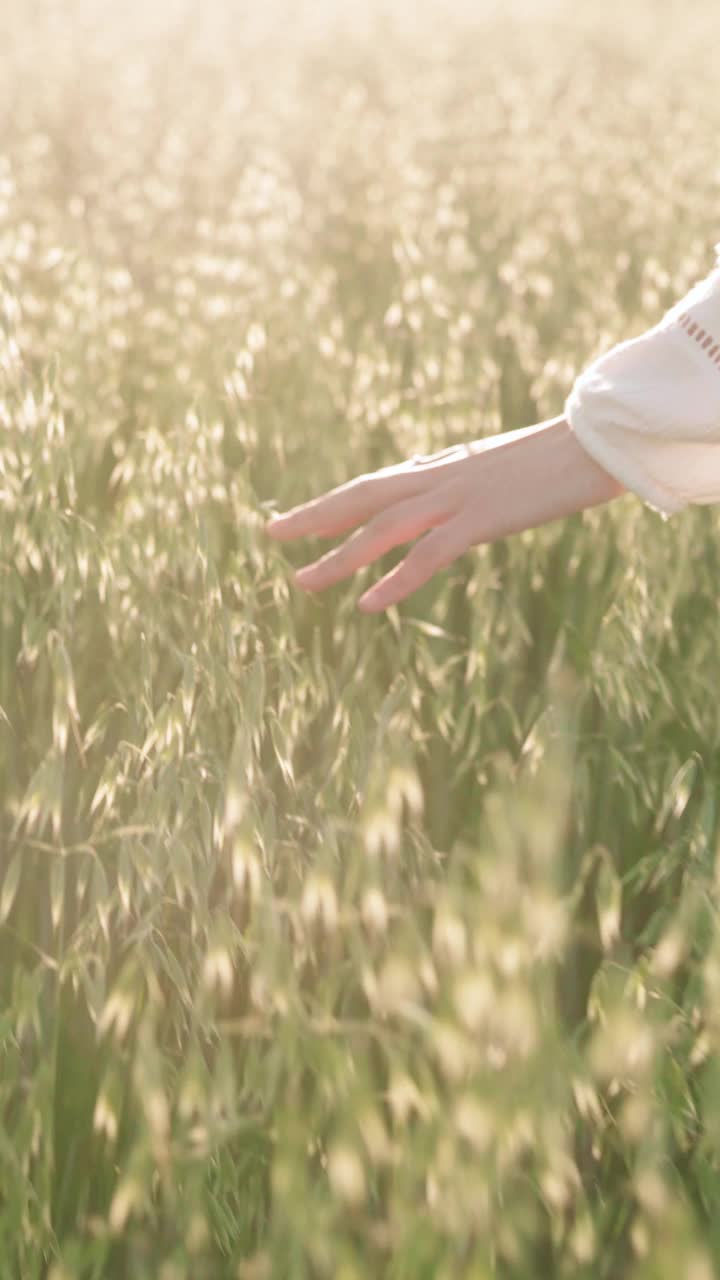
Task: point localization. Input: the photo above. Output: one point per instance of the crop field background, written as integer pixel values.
(340, 945)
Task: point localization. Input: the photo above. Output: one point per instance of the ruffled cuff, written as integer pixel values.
(612, 449)
(648, 410)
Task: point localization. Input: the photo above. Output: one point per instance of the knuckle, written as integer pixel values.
(349, 552)
(415, 569)
(430, 557)
(383, 522)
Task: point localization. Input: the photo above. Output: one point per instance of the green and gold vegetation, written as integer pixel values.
(336, 945)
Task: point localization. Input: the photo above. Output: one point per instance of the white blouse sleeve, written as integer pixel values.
(648, 410)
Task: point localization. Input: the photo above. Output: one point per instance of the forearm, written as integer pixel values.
(537, 474)
(461, 497)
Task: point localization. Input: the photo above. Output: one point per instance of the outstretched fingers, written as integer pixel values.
(432, 553)
(347, 505)
(391, 527)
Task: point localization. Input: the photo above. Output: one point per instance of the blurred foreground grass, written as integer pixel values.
(333, 945)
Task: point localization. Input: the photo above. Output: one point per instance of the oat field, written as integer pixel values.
(332, 945)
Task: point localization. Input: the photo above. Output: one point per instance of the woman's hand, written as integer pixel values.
(465, 495)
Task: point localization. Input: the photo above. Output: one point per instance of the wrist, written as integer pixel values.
(541, 473)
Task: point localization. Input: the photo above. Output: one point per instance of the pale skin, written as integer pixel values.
(460, 497)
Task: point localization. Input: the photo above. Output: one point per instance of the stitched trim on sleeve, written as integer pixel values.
(708, 342)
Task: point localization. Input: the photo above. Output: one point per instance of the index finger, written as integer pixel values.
(357, 500)
(348, 504)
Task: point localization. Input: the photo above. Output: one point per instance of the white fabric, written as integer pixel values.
(648, 410)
